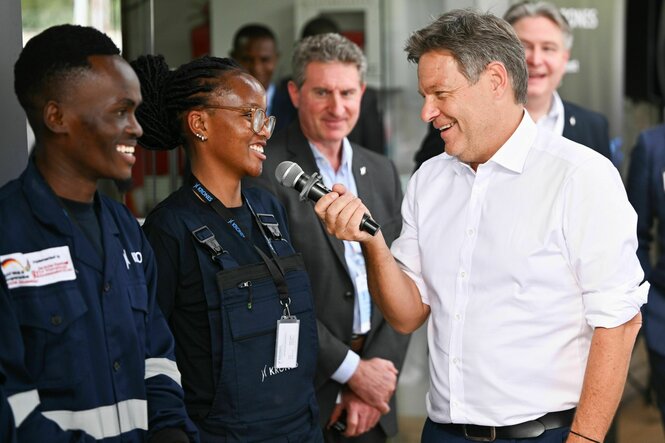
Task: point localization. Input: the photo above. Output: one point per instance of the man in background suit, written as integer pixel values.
(360, 354)
(547, 39)
(368, 131)
(646, 192)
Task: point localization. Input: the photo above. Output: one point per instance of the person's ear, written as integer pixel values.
(53, 117)
(294, 93)
(197, 124)
(498, 78)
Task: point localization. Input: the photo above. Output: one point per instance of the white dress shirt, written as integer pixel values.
(554, 119)
(518, 261)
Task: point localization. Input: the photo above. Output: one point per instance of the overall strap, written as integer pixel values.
(274, 267)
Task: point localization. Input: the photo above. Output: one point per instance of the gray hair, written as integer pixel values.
(547, 10)
(326, 48)
(475, 40)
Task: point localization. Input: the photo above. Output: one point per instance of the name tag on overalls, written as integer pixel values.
(286, 348)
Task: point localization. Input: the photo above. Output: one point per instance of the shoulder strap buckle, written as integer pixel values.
(205, 236)
(270, 223)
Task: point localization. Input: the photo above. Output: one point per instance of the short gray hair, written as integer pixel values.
(547, 10)
(326, 48)
(474, 40)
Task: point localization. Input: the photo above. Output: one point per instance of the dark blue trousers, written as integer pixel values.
(657, 364)
(432, 433)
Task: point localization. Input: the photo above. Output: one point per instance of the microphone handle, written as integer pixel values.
(368, 225)
(313, 189)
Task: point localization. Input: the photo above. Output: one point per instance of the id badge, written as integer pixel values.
(286, 348)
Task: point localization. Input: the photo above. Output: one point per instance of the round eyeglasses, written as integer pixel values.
(258, 117)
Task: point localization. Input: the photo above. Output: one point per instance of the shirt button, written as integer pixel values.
(462, 274)
(458, 316)
(116, 366)
(107, 287)
(470, 232)
(56, 320)
(348, 294)
(456, 361)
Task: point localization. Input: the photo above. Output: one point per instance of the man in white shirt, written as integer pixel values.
(526, 260)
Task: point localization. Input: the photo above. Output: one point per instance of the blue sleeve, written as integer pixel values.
(166, 408)
(639, 196)
(21, 392)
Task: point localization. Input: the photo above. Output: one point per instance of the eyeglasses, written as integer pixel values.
(258, 117)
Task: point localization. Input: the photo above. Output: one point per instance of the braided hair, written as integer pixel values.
(57, 56)
(168, 95)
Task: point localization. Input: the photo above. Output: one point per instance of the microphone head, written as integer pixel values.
(287, 173)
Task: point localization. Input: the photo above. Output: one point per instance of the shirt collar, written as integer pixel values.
(347, 156)
(512, 155)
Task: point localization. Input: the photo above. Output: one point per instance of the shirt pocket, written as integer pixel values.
(54, 334)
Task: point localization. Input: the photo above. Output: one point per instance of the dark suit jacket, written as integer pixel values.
(379, 187)
(646, 192)
(581, 125)
(368, 131)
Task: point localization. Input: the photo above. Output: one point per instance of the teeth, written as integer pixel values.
(444, 127)
(125, 149)
(257, 148)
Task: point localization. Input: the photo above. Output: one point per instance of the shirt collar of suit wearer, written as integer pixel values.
(513, 153)
(554, 119)
(346, 163)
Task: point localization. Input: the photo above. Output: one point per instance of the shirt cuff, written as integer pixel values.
(347, 368)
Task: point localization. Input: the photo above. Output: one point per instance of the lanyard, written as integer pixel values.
(274, 266)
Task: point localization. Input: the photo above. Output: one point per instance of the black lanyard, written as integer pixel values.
(274, 267)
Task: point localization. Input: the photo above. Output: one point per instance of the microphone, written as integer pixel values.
(291, 175)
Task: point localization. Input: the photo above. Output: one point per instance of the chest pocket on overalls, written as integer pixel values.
(251, 337)
(54, 331)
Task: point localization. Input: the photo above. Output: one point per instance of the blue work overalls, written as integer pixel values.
(253, 400)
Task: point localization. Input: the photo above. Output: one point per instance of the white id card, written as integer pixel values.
(286, 348)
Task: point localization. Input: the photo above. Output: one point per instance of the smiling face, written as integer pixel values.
(97, 114)
(328, 102)
(232, 145)
(463, 112)
(546, 54)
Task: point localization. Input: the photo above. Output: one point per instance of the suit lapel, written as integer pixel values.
(298, 146)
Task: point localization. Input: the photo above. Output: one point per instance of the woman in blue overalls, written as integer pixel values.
(235, 294)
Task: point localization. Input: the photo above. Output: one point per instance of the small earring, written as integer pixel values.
(201, 136)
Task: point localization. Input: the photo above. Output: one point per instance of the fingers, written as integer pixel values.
(336, 414)
(342, 214)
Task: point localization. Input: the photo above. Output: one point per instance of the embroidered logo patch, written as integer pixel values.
(38, 268)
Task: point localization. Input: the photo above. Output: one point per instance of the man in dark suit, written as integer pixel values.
(368, 131)
(646, 191)
(360, 354)
(547, 39)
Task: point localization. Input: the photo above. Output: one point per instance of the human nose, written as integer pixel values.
(134, 127)
(428, 112)
(534, 56)
(336, 104)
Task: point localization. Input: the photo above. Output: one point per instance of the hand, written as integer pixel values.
(342, 213)
(374, 382)
(360, 417)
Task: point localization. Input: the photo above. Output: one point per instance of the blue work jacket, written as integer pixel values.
(87, 353)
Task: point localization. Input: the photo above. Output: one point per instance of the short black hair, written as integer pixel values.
(167, 95)
(52, 57)
(319, 25)
(250, 32)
